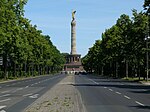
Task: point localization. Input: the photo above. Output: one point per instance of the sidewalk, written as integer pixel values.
(63, 97)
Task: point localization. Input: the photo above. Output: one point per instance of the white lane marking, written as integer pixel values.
(34, 96)
(139, 103)
(118, 92)
(143, 90)
(5, 100)
(5, 95)
(127, 97)
(7, 85)
(93, 81)
(1, 107)
(110, 89)
(2, 111)
(32, 84)
(26, 86)
(27, 94)
(19, 89)
(5, 91)
(105, 87)
(122, 84)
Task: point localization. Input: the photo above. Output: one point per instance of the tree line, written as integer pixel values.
(24, 50)
(121, 51)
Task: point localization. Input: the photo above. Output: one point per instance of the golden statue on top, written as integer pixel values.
(73, 14)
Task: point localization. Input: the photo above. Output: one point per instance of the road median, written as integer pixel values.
(63, 97)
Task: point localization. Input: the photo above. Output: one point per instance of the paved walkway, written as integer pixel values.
(63, 97)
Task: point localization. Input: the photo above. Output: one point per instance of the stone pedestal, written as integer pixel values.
(73, 63)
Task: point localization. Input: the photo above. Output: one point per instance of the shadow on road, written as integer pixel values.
(144, 89)
(141, 107)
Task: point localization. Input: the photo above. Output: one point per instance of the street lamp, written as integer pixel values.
(147, 57)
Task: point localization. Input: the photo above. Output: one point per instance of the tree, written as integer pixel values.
(147, 6)
(138, 41)
(122, 46)
(24, 48)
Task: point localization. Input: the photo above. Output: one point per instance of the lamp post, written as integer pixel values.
(147, 57)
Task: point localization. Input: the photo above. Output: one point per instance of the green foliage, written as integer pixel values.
(24, 48)
(147, 6)
(121, 46)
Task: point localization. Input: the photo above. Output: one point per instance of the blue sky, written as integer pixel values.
(93, 17)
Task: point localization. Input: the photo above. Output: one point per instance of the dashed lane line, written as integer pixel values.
(93, 81)
(2, 111)
(127, 97)
(6, 91)
(26, 86)
(110, 89)
(139, 103)
(5, 100)
(34, 96)
(5, 95)
(19, 89)
(27, 94)
(32, 84)
(1, 107)
(118, 92)
(122, 84)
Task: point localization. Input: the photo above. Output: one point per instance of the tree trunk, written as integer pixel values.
(32, 69)
(102, 73)
(5, 65)
(46, 69)
(127, 73)
(14, 69)
(38, 70)
(116, 69)
(139, 74)
(25, 67)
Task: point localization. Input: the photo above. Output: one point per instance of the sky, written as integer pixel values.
(93, 17)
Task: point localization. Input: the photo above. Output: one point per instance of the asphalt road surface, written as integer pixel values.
(98, 94)
(15, 96)
(112, 95)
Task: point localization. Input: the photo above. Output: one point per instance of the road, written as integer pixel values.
(112, 95)
(97, 94)
(15, 96)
